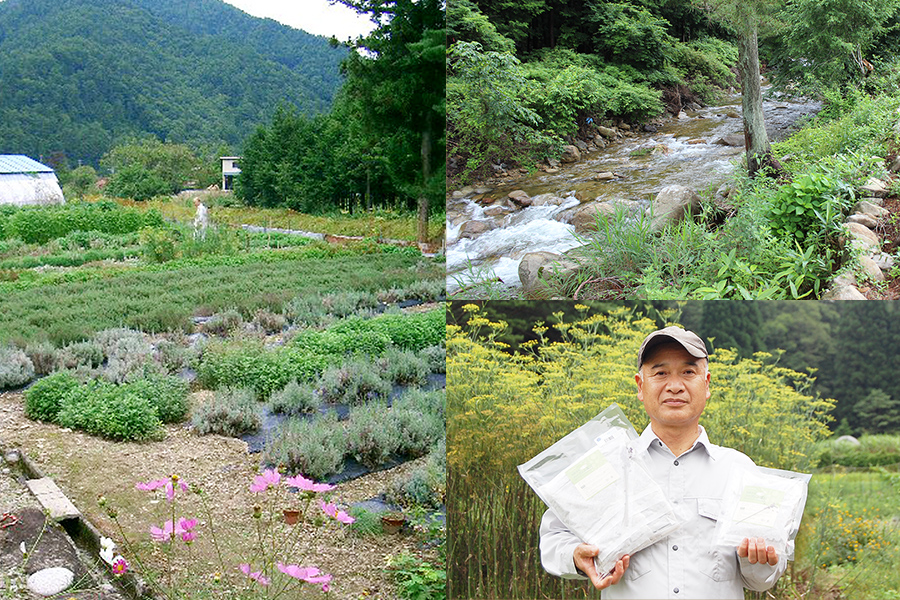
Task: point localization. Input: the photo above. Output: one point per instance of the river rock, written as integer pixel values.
(870, 269)
(51, 581)
(605, 176)
(545, 199)
(732, 139)
(536, 265)
(697, 141)
(624, 126)
(570, 154)
(599, 141)
(581, 145)
(863, 219)
(552, 163)
(671, 205)
(607, 132)
(472, 229)
(873, 210)
(861, 236)
(682, 116)
(519, 198)
(875, 187)
(650, 128)
(733, 114)
(895, 166)
(495, 211)
(584, 218)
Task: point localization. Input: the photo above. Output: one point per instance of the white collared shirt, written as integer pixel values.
(686, 564)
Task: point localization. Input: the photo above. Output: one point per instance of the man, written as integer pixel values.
(673, 385)
(201, 219)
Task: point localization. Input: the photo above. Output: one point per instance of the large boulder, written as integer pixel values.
(861, 237)
(606, 132)
(545, 199)
(671, 205)
(535, 266)
(570, 154)
(519, 198)
(584, 218)
(472, 229)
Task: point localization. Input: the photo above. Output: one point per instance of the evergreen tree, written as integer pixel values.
(878, 413)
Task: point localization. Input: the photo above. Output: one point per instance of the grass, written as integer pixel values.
(377, 224)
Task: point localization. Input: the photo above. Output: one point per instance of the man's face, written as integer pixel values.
(673, 386)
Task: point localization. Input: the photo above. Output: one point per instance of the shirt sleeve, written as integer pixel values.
(761, 576)
(558, 547)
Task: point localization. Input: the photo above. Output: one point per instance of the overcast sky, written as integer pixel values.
(313, 16)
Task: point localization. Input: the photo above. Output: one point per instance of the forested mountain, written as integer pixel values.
(79, 75)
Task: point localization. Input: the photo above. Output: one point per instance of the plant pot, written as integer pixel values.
(392, 523)
(292, 517)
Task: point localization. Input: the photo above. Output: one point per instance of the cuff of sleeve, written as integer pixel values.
(570, 571)
(760, 576)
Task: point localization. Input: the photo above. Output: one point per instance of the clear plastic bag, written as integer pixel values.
(601, 489)
(767, 503)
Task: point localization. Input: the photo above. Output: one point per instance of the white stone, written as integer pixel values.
(49, 582)
(871, 269)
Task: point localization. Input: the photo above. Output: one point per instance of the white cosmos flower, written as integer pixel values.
(107, 547)
(22, 548)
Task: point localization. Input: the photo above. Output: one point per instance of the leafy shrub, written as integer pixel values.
(159, 244)
(802, 207)
(15, 367)
(89, 354)
(314, 448)
(269, 322)
(44, 399)
(102, 408)
(420, 421)
(873, 451)
(409, 332)
(136, 182)
(306, 310)
(129, 354)
(355, 382)
(42, 356)
(248, 365)
(167, 393)
(372, 434)
(232, 412)
(172, 356)
(341, 304)
(339, 343)
(296, 398)
(417, 579)
(436, 357)
(404, 367)
(37, 225)
(223, 323)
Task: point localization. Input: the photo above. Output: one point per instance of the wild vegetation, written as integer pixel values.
(575, 362)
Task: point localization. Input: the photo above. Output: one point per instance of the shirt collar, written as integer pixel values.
(648, 437)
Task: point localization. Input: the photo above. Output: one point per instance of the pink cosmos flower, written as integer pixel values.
(302, 483)
(170, 530)
(168, 483)
(308, 574)
(332, 511)
(119, 565)
(255, 575)
(326, 588)
(269, 477)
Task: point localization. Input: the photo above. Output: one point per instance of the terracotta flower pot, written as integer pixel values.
(292, 517)
(392, 523)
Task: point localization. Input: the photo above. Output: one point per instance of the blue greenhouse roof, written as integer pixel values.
(18, 163)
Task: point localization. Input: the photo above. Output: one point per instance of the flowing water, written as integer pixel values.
(682, 151)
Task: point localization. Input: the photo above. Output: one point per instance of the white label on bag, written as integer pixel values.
(759, 506)
(591, 473)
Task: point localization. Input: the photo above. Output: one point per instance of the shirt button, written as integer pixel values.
(675, 547)
(675, 590)
(676, 463)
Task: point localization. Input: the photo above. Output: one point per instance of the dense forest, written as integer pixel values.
(843, 345)
(80, 76)
(525, 76)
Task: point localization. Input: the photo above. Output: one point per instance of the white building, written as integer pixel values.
(26, 181)
(229, 170)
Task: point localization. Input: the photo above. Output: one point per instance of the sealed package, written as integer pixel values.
(601, 489)
(763, 503)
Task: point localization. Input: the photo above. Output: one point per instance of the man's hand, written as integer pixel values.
(584, 560)
(755, 551)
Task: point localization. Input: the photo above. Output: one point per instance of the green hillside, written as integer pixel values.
(80, 75)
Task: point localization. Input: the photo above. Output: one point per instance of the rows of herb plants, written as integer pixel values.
(112, 328)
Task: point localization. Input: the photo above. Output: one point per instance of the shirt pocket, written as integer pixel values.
(715, 562)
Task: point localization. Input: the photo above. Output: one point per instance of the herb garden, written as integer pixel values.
(134, 352)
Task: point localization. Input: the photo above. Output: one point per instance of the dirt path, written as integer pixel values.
(86, 467)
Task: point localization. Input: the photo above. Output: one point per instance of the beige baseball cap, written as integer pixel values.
(689, 340)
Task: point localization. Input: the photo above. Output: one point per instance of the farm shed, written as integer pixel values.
(26, 181)
(230, 170)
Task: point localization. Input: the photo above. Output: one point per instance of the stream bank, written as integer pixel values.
(489, 233)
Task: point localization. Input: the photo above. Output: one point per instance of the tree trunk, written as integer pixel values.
(422, 228)
(756, 140)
